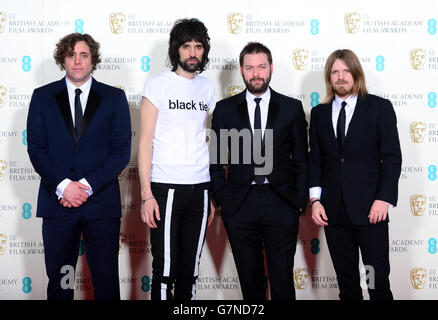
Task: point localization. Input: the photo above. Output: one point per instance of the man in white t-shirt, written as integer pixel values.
(174, 162)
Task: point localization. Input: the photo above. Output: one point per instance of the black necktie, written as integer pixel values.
(258, 135)
(340, 128)
(78, 114)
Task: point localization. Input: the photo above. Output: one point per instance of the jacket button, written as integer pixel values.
(342, 160)
(72, 169)
(76, 150)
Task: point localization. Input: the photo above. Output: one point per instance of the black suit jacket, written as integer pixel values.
(99, 155)
(289, 175)
(368, 166)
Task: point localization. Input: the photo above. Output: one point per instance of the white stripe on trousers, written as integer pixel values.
(200, 241)
(167, 223)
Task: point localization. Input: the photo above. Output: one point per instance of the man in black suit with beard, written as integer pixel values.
(354, 168)
(263, 134)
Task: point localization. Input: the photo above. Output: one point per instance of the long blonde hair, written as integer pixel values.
(353, 64)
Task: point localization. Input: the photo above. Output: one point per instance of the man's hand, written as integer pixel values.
(148, 210)
(213, 212)
(65, 203)
(378, 212)
(74, 194)
(318, 214)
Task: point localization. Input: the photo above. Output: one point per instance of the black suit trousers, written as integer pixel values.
(264, 221)
(344, 241)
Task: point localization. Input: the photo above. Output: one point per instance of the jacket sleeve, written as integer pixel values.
(217, 172)
(299, 154)
(38, 141)
(315, 160)
(390, 155)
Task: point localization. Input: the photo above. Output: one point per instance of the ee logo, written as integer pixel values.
(431, 26)
(79, 25)
(26, 285)
(27, 213)
(431, 99)
(315, 246)
(314, 27)
(26, 63)
(145, 63)
(432, 246)
(314, 99)
(146, 284)
(380, 60)
(432, 174)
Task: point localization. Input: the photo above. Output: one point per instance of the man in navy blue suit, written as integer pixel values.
(79, 140)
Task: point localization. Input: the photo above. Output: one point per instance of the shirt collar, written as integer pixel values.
(351, 101)
(85, 88)
(265, 96)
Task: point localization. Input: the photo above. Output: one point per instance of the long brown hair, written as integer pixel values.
(353, 64)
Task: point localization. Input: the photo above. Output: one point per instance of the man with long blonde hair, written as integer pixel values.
(354, 167)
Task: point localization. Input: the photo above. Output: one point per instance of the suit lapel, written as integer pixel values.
(242, 110)
(64, 107)
(273, 110)
(357, 115)
(93, 103)
(327, 116)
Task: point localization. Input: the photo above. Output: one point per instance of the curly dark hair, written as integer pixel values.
(186, 30)
(66, 45)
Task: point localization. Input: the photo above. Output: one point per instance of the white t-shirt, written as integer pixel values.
(180, 151)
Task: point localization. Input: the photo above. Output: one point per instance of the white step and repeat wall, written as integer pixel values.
(397, 43)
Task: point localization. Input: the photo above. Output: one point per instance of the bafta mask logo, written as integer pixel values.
(352, 22)
(235, 22)
(2, 21)
(234, 89)
(418, 58)
(3, 92)
(418, 277)
(3, 240)
(122, 242)
(418, 131)
(301, 278)
(117, 22)
(3, 167)
(300, 57)
(418, 204)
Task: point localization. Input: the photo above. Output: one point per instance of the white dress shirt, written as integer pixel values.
(264, 108)
(85, 88)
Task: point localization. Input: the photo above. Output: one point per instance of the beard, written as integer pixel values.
(342, 91)
(190, 67)
(261, 88)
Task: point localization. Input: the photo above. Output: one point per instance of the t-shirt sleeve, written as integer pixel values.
(151, 91)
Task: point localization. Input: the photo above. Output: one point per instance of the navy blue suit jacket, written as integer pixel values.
(99, 155)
